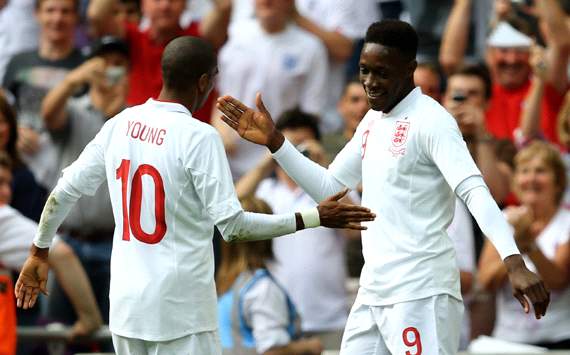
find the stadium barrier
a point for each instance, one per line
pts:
(56, 337)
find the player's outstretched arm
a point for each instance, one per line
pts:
(248, 226)
(526, 284)
(258, 127)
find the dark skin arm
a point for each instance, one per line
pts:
(526, 285)
(33, 278)
(258, 127)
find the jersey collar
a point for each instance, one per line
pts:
(406, 104)
(169, 106)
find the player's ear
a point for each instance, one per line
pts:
(203, 82)
(412, 65)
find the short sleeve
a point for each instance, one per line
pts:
(266, 312)
(442, 143)
(208, 167)
(87, 173)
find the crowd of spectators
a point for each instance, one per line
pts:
(500, 67)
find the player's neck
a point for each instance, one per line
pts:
(405, 92)
(187, 100)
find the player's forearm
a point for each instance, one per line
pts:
(247, 226)
(313, 178)
(58, 205)
(478, 200)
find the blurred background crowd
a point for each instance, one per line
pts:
(500, 67)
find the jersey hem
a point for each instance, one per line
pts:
(370, 298)
(162, 337)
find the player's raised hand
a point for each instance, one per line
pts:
(255, 126)
(32, 279)
(335, 214)
(527, 286)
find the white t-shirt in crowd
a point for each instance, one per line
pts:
(350, 18)
(16, 235)
(18, 30)
(310, 264)
(461, 233)
(169, 183)
(289, 68)
(410, 161)
(513, 324)
(265, 309)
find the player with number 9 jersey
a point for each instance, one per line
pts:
(170, 184)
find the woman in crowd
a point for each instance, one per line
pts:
(27, 196)
(256, 315)
(542, 232)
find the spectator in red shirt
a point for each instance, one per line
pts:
(509, 62)
(146, 46)
(508, 59)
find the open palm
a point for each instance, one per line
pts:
(255, 126)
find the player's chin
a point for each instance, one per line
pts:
(377, 103)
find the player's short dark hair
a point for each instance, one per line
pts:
(395, 34)
(296, 118)
(184, 61)
(480, 71)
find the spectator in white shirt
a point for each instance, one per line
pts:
(16, 234)
(274, 55)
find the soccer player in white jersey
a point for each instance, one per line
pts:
(169, 183)
(412, 161)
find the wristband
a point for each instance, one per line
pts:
(311, 218)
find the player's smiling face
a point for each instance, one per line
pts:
(385, 75)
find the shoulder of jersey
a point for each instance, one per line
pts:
(431, 110)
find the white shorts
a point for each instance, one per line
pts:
(205, 343)
(427, 326)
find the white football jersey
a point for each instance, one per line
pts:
(169, 182)
(409, 161)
